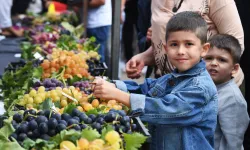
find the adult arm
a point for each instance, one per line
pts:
(225, 16)
(96, 3)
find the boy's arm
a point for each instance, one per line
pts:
(181, 108)
(133, 87)
(233, 120)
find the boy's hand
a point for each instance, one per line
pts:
(103, 89)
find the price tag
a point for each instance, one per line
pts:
(72, 98)
(38, 56)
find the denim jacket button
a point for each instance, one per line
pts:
(154, 93)
(171, 82)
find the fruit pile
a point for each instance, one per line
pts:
(48, 98)
(46, 124)
(72, 64)
(112, 141)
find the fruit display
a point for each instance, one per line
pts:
(48, 95)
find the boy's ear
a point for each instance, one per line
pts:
(235, 68)
(205, 49)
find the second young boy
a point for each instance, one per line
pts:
(222, 62)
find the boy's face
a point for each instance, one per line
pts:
(220, 65)
(184, 49)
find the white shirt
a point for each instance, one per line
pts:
(35, 6)
(5, 13)
(101, 16)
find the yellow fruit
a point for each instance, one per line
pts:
(67, 145)
(112, 137)
(26, 96)
(30, 100)
(29, 106)
(64, 103)
(32, 93)
(87, 106)
(38, 100)
(80, 108)
(83, 144)
(95, 103)
(98, 142)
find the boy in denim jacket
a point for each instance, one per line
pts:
(222, 62)
(180, 107)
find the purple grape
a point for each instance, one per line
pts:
(37, 84)
(54, 80)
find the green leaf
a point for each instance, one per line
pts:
(46, 105)
(68, 109)
(71, 135)
(68, 26)
(105, 130)
(6, 130)
(28, 143)
(37, 72)
(39, 144)
(92, 111)
(134, 141)
(10, 146)
(57, 104)
(90, 134)
(79, 30)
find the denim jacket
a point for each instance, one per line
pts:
(181, 108)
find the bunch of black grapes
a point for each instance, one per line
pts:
(95, 67)
(49, 84)
(46, 124)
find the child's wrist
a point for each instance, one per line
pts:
(123, 97)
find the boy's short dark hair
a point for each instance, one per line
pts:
(188, 21)
(228, 43)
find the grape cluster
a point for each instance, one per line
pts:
(46, 124)
(121, 122)
(95, 67)
(83, 86)
(49, 84)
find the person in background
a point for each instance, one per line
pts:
(99, 23)
(221, 16)
(222, 60)
(129, 28)
(5, 20)
(143, 28)
(181, 107)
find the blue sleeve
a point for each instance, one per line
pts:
(133, 87)
(182, 108)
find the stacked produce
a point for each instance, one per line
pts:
(48, 96)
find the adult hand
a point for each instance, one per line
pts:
(134, 66)
(19, 32)
(149, 34)
(103, 89)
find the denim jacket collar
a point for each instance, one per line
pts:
(198, 68)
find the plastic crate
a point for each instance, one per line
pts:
(99, 69)
(13, 66)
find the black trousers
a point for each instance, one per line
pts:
(129, 26)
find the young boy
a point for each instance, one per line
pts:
(222, 62)
(181, 107)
